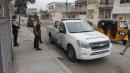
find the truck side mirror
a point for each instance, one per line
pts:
(62, 31)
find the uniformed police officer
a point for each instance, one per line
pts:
(127, 45)
(36, 28)
(40, 31)
(38, 20)
(15, 28)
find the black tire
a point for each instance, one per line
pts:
(71, 53)
(50, 38)
(124, 42)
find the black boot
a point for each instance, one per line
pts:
(38, 49)
(41, 42)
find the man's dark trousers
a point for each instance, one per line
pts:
(15, 34)
(40, 37)
(36, 41)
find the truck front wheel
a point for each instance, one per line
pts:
(71, 53)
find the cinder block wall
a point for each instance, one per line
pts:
(5, 40)
(5, 46)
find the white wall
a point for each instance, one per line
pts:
(56, 16)
(83, 17)
(95, 18)
(120, 8)
(31, 11)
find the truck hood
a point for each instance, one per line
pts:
(90, 36)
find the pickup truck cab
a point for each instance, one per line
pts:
(80, 40)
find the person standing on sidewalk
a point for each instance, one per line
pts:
(15, 28)
(38, 20)
(127, 45)
(36, 29)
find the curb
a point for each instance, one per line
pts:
(62, 66)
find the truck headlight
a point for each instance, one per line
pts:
(83, 44)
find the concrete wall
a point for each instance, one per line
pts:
(31, 11)
(1, 67)
(121, 8)
(5, 39)
(83, 17)
(56, 16)
(98, 14)
(95, 19)
(5, 42)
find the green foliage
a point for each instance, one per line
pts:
(21, 5)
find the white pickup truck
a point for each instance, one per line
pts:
(79, 39)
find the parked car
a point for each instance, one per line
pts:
(79, 39)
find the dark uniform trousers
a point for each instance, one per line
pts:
(37, 36)
(36, 41)
(40, 37)
(15, 34)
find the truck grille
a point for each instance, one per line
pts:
(101, 52)
(99, 45)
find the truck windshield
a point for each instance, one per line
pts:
(78, 27)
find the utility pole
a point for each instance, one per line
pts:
(20, 11)
(66, 8)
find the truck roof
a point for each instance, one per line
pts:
(69, 19)
(72, 21)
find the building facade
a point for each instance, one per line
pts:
(31, 11)
(81, 6)
(57, 11)
(122, 9)
(99, 9)
(12, 7)
(5, 38)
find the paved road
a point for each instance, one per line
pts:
(28, 60)
(111, 64)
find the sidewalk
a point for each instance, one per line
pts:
(28, 60)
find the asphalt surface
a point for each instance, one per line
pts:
(115, 63)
